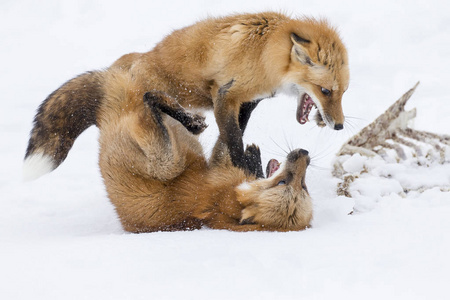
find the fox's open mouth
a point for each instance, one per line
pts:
(272, 166)
(304, 108)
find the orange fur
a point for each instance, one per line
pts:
(257, 51)
(261, 54)
(167, 184)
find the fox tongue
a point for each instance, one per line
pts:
(304, 108)
(272, 166)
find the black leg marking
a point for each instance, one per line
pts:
(245, 113)
(231, 136)
(152, 101)
(233, 140)
(230, 133)
(253, 159)
(192, 122)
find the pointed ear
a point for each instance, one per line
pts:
(299, 49)
(299, 40)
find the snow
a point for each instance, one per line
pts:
(60, 237)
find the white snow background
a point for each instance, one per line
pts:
(60, 237)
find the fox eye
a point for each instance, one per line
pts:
(282, 182)
(326, 92)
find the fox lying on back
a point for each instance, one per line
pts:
(157, 176)
(262, 54)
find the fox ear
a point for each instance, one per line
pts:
(299, 49)
(299, 40)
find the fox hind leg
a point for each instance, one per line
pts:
(148, 143)
(160, 138)
(192, 122)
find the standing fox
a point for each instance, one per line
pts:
(261, 54)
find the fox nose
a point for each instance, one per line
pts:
(338, 126)
(296, 154)
(303, 152)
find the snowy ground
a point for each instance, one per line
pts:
(60, 237)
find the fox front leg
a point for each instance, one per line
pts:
(245, 112)
(229, 143)
(253, 159)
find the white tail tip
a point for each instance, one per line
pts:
(37, 165)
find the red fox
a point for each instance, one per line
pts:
(263, 54)
(158, 178)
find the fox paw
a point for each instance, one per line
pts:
(252, 151)
(247, 221)
(196, 124)
(250, 215)
(252, 156)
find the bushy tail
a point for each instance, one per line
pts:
(60, 119)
